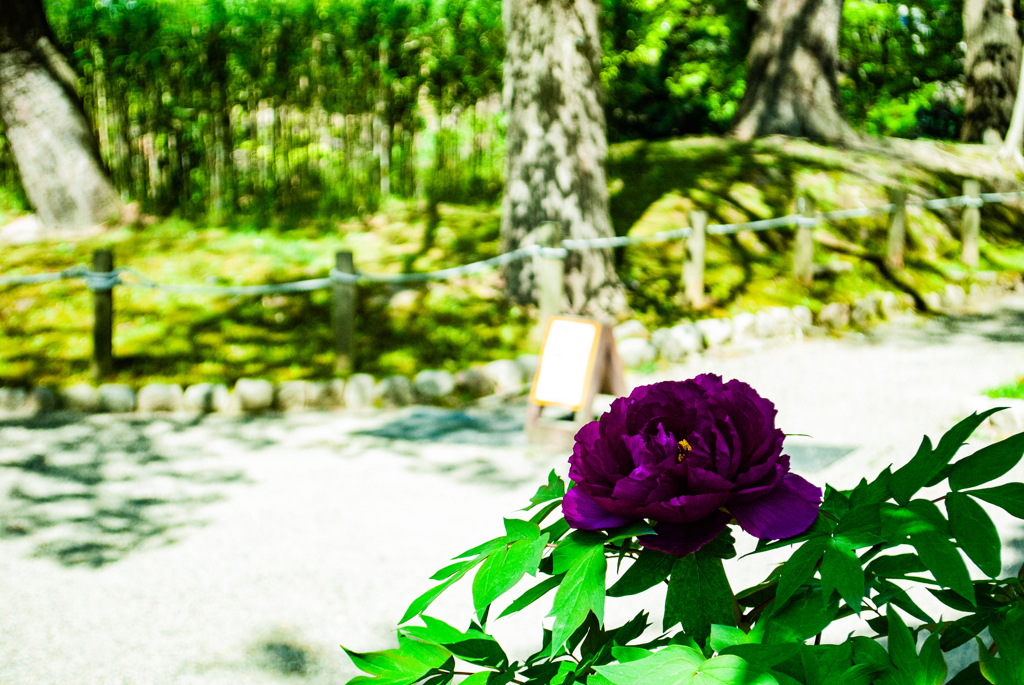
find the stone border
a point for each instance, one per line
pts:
(505, 377)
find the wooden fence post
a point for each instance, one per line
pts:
(103, 318)
(897, 228)
(803, 253)
(343, 313)
(550, 275)
(693, 265)
(970, 226)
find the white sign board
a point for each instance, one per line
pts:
(566, 362)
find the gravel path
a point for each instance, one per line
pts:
(234, 550)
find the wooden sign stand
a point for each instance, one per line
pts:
(604, 374)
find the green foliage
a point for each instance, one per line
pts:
(759, 636)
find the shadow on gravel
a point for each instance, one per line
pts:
(89, 491)
(1005, 325)
(474, 427)
(811, 458)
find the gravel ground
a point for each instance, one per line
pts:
(244, 550)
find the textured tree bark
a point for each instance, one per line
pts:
(556, 148)
(792, 69)
(50, 137)
(991, 69)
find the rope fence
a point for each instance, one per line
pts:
(102, 278)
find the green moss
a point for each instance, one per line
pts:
(45, 330)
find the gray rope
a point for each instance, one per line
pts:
(107, 280)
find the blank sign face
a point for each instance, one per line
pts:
(566, 360)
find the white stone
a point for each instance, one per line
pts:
(221, 398)
(783, 323)
(673, 344)
(933, 301)
(889, 304)
(802, 317)
(319, 395)
(474, 382)
(631, 329)
(80, 398)
(393, 391)
(359, 391)
(432, 384)
(528, 363)
(40, 400)
(23, 230)
(715, 331)
(291, 395)
(336, 390)
(636, 352)
(865, 310)
(954, 297)
(12, 399)
(253, 395)
(198, 398)
(506, 374)
(161, 397)
(116, 398)
(403, 303)
(834, 316)
(743, 326)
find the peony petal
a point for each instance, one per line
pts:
(688, 537)
(788, 510)
(684, 508)
(581, 511)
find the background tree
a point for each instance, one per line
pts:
(991, 69)
(792, 73)
(556, 146)
(49, 135)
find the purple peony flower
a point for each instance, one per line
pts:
(690, 456)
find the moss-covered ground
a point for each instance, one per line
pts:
(45, 330)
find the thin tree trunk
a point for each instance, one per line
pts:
(1015, 135)
(556, 147)
(991, 69)
(792, 70)
(50, 137)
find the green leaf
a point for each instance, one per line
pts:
(803, 617)
(726, 636)
(532, 595)
(964, 629)
(543, 512)
(578, 543)
(517, 529)
(902, 648)
(451, 569)
(766, 656)
(861, 526)
(407, 664)
(698, 595)
(927, 462)
(677, 665)
(1007, 631)
(626, 654)
(841, 570)
(420, 604)
(630, 530)
(506, 567)
(1009, 497)
(891, 593)
(582, 590)
(975, 532)
(934, 665)
(917, 516)
(943, 559)
(799, 568)
(485, 548)
(896, 565)
(649, 569)
(826, 664)
(555, 489)
(473, 646)
(987, 464)
(969, 676)
(873, 493)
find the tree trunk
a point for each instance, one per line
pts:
(556, 148)
(50, 137)
(1015, 135)
(792, 69)
(991, 69)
